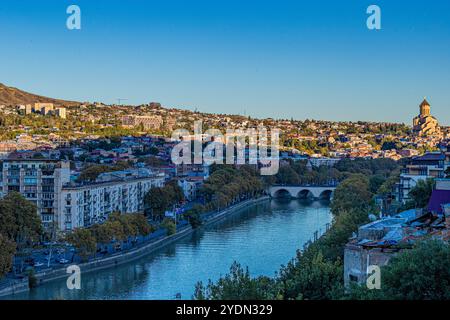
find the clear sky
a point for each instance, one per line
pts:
(302, 59)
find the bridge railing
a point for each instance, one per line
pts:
(330, 185)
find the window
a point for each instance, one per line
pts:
(353, 278)
(30, 181)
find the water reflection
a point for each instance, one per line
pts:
(262, 237)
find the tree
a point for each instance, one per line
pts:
(19, 220)
(237, 285)
(421, 193)
(313, 277)
(7, 251)
(84, 242)
(375, 182)
(352, 194)
(421, 273)
(92, 172)
(170, 226)
(142, 225)
(286, 175)
(193, 216)
(159, 200)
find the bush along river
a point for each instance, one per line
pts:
(262, 236)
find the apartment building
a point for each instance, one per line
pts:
(44, 108)
(65, 205)
(39, 181)
(61, 112)
(147, 122)
(119, 191)
(429, 166)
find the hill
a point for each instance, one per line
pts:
(14, 96)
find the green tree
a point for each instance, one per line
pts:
(375, 182)
(286, 175)
(170, 226)
(421, 193)
(7, 251)
(352, 194)
(84, 242)
(159, 200)
(312, 278)
(237, 285)
(19, 220)
(92, 172)
(193, 216)
(421, 273)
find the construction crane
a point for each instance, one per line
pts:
(119, 100)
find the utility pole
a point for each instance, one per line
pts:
(119, 101)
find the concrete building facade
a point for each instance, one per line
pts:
(64, 205)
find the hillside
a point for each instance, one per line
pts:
(14, 96)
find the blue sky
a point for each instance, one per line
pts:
(283, 59)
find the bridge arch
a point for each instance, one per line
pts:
(281, 193)
(305, 194)
(302, 192)
(326, 195)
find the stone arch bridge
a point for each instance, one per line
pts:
(302, 192)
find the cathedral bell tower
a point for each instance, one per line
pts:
(425, 109)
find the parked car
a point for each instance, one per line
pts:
(63, 261)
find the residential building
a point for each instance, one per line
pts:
(327, 162)
(147, 122)
(61, 112)
(39, 181)
(429, 166)
(439, 196)
(44, 108)
(190, 187)
(65, 205)
(121, 191)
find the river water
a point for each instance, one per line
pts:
(262, 237)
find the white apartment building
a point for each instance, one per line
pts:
(65, 205)
(120, 191)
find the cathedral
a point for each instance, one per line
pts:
(425, 124)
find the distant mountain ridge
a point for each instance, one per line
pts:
(14, 96)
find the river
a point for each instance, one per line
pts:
(262, 237)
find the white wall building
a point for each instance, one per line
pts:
(120, 191)
(66, 205)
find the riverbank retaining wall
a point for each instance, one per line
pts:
(19, 286)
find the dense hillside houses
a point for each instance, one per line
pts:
(69, 123)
